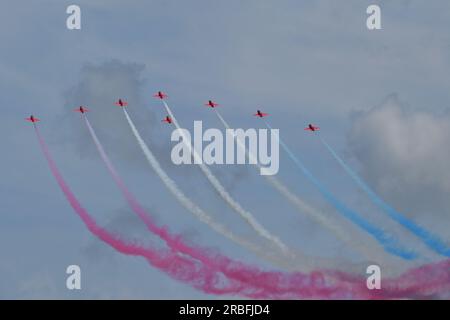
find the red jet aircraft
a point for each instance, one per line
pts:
(310, 127)
(260, 114)
(167, 119)
(121, 103)
(32, 119)
(161, 95)
(81, 109)
(211, 104)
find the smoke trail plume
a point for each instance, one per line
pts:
(247, 216)
(387, 241)
(431, 240)
(429, 280)
(228, 267)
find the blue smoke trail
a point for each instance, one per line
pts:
(387, 241)
(432, 241)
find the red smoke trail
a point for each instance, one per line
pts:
(420, 282)
(414, 282)
(425, 281)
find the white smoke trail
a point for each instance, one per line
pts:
(303, 207)
(247, 216)
(191, 206)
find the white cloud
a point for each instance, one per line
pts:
(404, 154)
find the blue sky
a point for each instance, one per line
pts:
(381, 98)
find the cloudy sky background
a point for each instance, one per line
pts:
(381, 98)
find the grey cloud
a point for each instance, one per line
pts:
(98, 88)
